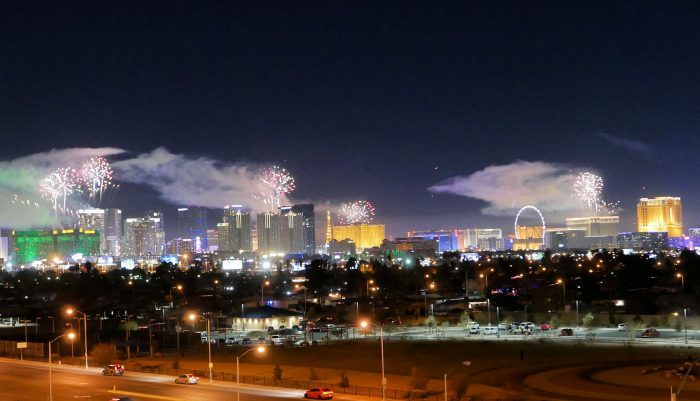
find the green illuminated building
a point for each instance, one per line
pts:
(35, 245)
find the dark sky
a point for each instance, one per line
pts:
(362, 100)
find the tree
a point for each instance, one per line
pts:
(588, 321)
(277, 372)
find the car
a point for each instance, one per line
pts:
(527, 326)
(231, 341)
(545, 327)
(246, 341)
(490, 330)
(622, 327)
(474, 329)
(650, 333)
(319, 393)
(114, 369)
(566, 332)
(187, 378)
(121, 399)
(502, 326)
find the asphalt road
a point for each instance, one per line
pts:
(29, 381)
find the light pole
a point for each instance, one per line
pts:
(486, 284)
(488, 307)
(53, 325)
(577, 327)
(238, 370)
(465, 363)
(21, 357)
(682, 277)
(71, 311)
(70, 336)
(150, 337)
(36, 327)
(563, 286)
(685, 323)
(366, 324)
(368, 283)
(192, 317)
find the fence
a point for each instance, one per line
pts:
(33, 351)
(299, 384)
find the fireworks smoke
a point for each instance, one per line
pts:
(360, 212)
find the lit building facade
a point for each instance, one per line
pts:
(291, 231)
(529, 237)
(447, 239)
(143, 237)
(595, 226)
(37, 245)
(113, 231)
(268, 233)
(483, 238)
(192, 223)
(660, 214)
(364, 235)
(94, 219)
(643, 241)
(240, 229)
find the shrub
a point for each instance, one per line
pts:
(344, 380)
(277, 372)
(418, 379)
(103, 354)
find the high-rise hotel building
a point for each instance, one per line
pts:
(660, 214)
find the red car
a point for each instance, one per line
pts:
(545, 326)
(319, 393)
(650, 333)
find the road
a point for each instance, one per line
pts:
(29, 381)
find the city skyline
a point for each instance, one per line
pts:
(490, 106)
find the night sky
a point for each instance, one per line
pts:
(369, 100)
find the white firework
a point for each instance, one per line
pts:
(588, 188)
(96, 177)
(59, 184)
(360, 212)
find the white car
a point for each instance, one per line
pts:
(187, 379)
(489, 330)
(527, 325)
(503, 326)
(622, 327)
(474, 330)
(232, 341)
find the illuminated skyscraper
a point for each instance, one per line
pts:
(113, 231)
(192, 224)
(291, 231)
(144, 237)
(660, 214)
(447, 239)
(329, 227)
(309, 219)
(595, 226)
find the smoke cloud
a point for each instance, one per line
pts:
(186, 181)
(506, 188)
(21, 204)
(180, 180)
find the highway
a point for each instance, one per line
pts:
(29, 381)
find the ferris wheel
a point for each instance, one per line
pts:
(522, 209)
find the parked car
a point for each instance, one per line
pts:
(502, 326)
(245, 341)
(622, 327)
(276, 339)
(650, 333)
(113, 370)
(527, 325)
(231, 341)
(187, 379)
(474, 329)
(566, 332)
(490, 330)
(319, 393)
(545, 327)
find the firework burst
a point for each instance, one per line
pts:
(96, 178)
(278, 183)
(59, 184)
(588, 189)
(360, 212)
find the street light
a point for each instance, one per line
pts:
(262, 291)
(465, 363)
(364, 325)
(260, 349)
(70, 312)
(563, 286)
(179, 288)
(192, 317)
(425, 297)
(70, 336)
(680, 276)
